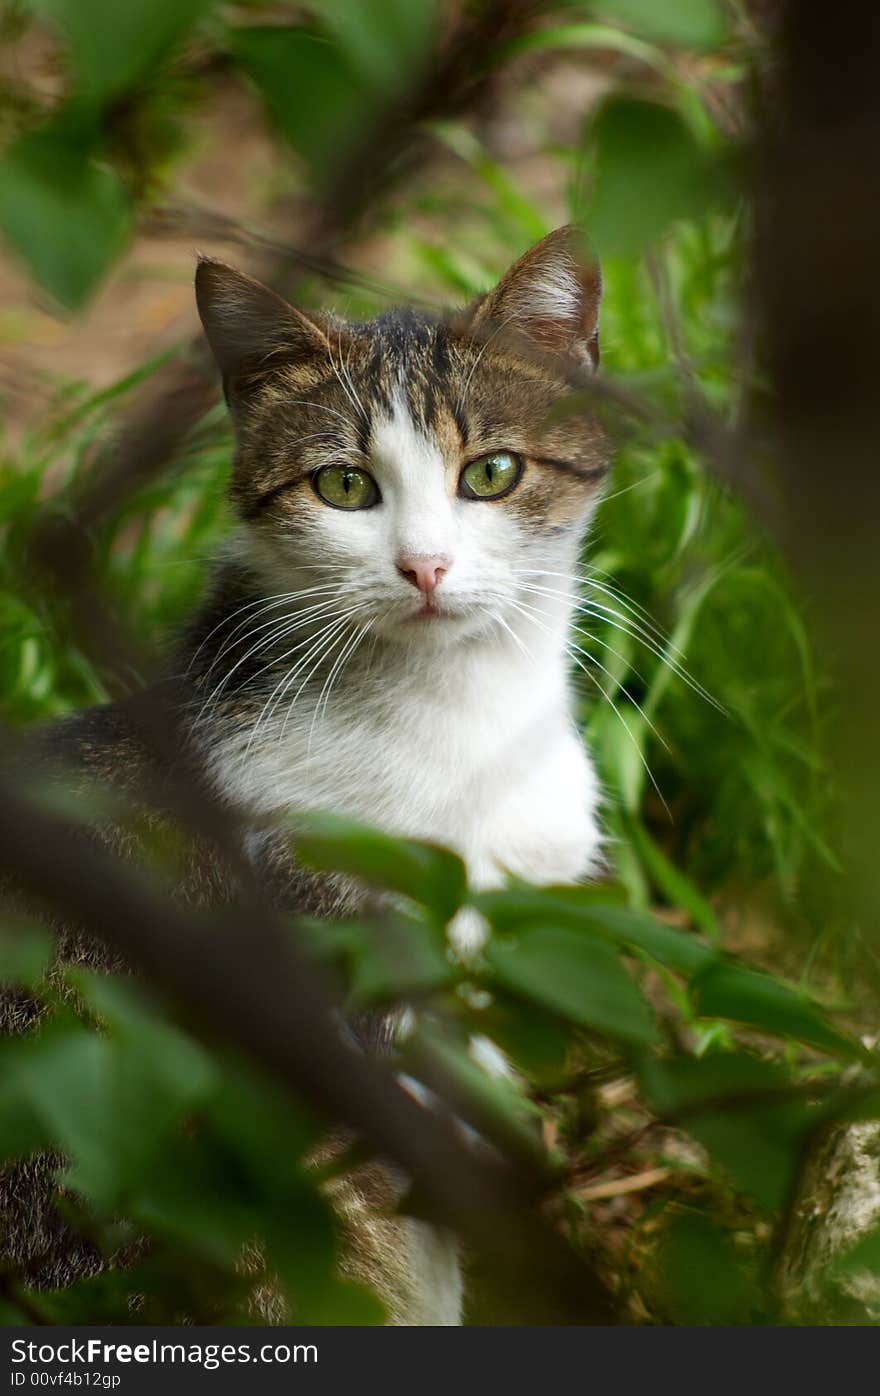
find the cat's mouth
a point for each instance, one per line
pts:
(433, 624)
(428, 613)
(431, 615)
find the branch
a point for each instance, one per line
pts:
(268, 1001)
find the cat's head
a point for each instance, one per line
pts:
(426, 468)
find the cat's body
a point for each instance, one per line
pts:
(386, 634)
(510, 787)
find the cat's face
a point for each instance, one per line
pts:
(413, 472)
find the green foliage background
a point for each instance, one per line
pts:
(690, 1017)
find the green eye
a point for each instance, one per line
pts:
(344, 487)
(491, 476)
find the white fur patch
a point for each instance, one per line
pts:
(554, 294)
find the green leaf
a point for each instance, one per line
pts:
(63, 212)
(581, 909)
(735, 1106)
(257, 1120)
(727, 990)
(696, 24)
(302, 1250)
(677, 950)
(494, 1105)
(389, 958)
(670, 880)
(197, 1198)
(25, 953)
(537, 1042)
(386, 41)
(114, 43)
(585, 36)
(67, 1078)
(431, 876)
(394, 958)
(317, 99)
(650, 173)
(23, 1129)
(701, 1277)
(110, 1101)
(577, 976)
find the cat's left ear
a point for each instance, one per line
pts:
(249, 328)
(551, 295)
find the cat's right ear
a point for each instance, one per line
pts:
(551, 295)
(249, 328)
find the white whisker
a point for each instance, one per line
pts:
(316, 645)
(229, 642)
(323, 653)
(285, 626)
(346, 652)
(635, 629)
(529, 613)
(647, 480)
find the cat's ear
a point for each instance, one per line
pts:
(551, 295)
(248, 327)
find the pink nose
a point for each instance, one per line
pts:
(426, 573)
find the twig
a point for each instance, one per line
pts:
(619, 1187)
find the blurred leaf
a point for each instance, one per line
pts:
(688, 23)
(650, 172)
(269, 1136)
(389, 958)
(576, 976)
(67, 1076)
(179, 1066)
(736, 1106)
(491, 1103)
(318, 100)
(678, 1087)
(396, 959)
(431, 876)
(677, 950)
(727, 990)
(198, 1198)
(109, 1101)
(582, 908)
(61, 211)
(536, 1041)
(258, 1121)
(587, 36)
(25, 952)
(11, 1314)
(671, 881)
(387, 41)
(515, 207)
(114, 43)
(302, 1251)
(168, 1283)
(23, 1130)
(700, 1277)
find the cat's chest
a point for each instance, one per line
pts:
(497, 774)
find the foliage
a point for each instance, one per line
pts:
(702, 700)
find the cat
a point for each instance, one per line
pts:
(385, 633)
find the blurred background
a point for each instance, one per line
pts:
(357, 153)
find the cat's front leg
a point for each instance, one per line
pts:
(544, 832)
